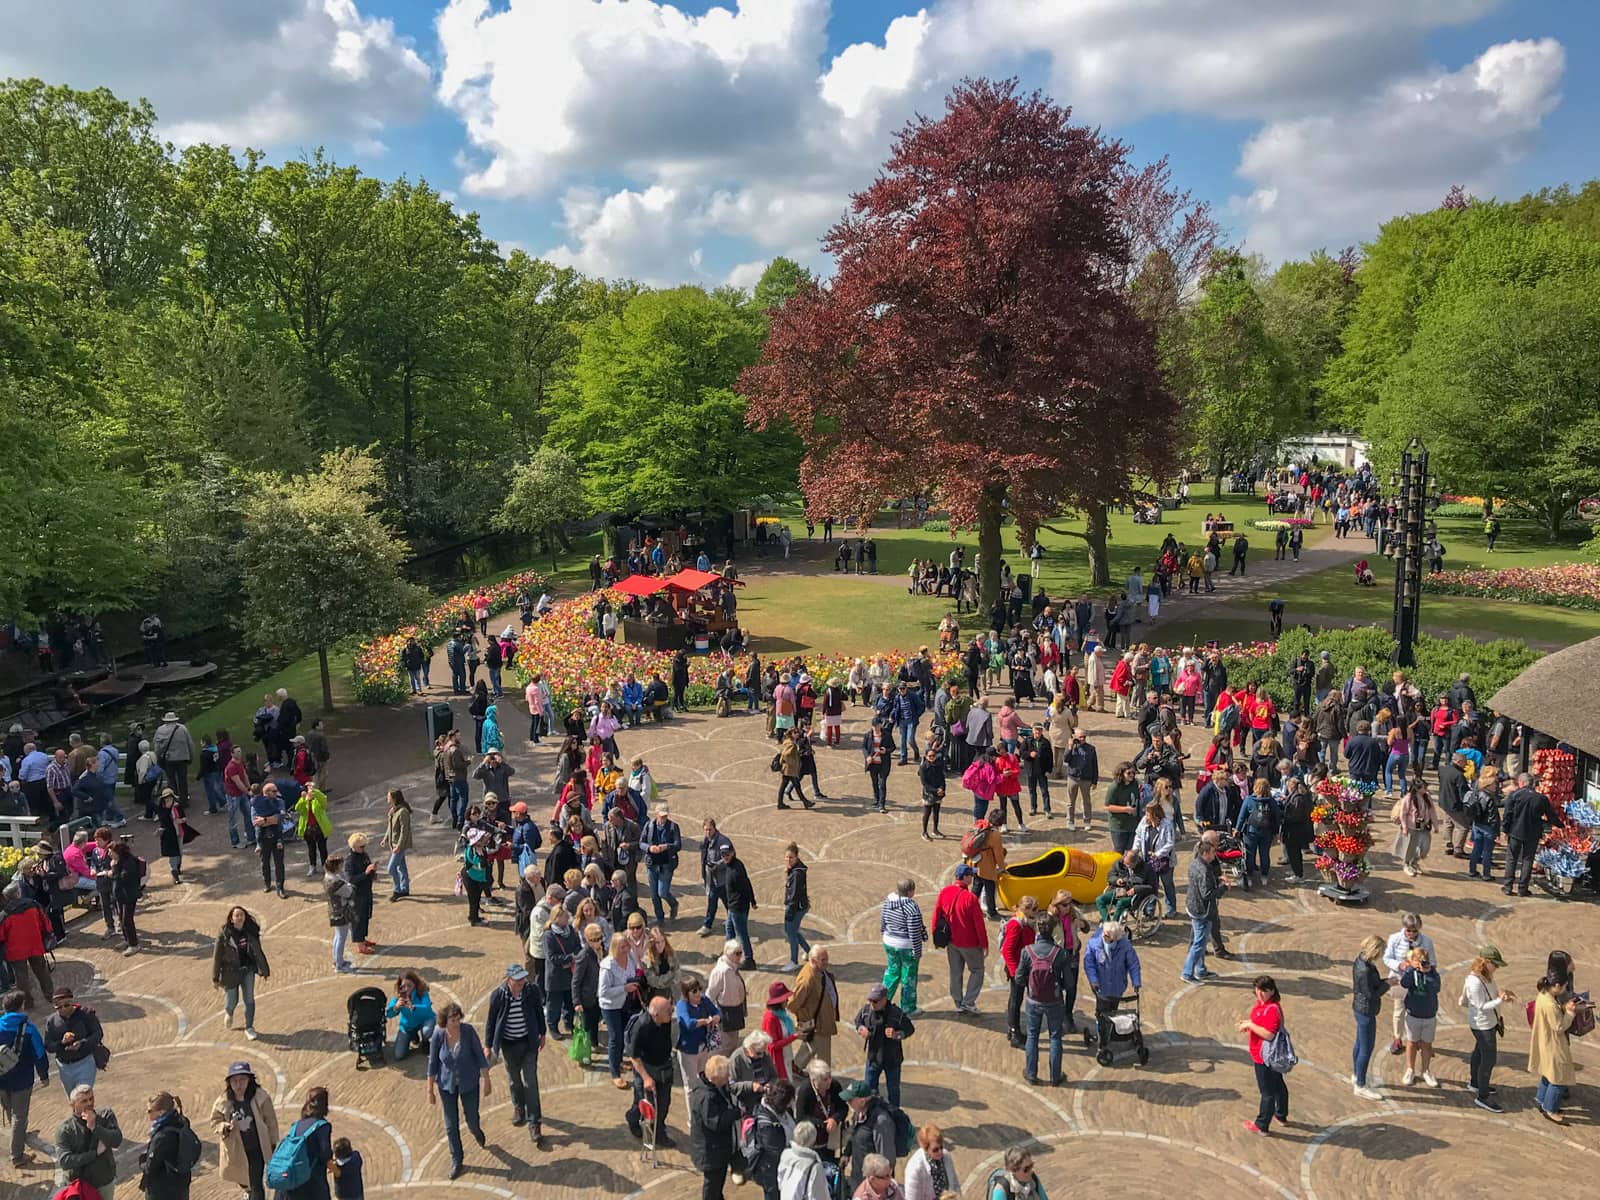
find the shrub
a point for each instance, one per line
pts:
(1440, 661)
(936, 525)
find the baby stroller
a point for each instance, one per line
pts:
(365, 1009)
(1230, 853)
(1113, 1023)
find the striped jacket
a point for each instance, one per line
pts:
(901, 924)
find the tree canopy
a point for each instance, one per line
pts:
(975, 340)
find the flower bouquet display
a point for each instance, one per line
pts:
(1564, 853)
(1343, 818)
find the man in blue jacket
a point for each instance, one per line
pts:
(16, 1085)
(633, 700)
(905, 712)
(516, 1033)
(268, 816)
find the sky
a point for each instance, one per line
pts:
(691, 143)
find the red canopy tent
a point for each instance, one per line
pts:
(690, 580)
(640, 585)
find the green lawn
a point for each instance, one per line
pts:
(1521, 544)
(303, 680)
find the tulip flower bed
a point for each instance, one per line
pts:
(1276, 523)
(1343, 836)
(1568, 585)
(376, 664)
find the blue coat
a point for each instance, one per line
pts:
(32, 1059)
(561, 950)
(490, 738)
(500, 1003)
(462, 1074)
(1112, 967)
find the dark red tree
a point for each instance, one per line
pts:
(977, 341)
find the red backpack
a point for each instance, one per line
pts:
(78, 1190)
(972, 842)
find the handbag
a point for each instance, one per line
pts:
(1582, 1021)
(101, 1055)
(579, 1048)
(1278, 1053)
(801, 1055)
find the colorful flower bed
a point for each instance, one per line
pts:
(1276, 523)
(1569, 585)
(376, 664)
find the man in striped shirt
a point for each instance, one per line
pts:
(903, 931)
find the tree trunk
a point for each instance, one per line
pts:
(561, 536)
(1555, 512)
(1216, 483)
(327, 680)
(990, 514)
(408, 419)
(1096, 529)
(550, 545)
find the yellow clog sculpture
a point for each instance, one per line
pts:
(1082, 874)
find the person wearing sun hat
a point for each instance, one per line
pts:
(779, 1025)
(245, 1123)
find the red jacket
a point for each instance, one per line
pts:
(24, 929)
(961, 909)
(1014, 939)
(1443, 719)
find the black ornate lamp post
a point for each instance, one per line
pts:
(1407, 543)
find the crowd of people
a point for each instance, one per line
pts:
(594, 896)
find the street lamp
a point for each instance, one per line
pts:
(1406, 543)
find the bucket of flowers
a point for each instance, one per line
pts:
(1343, 819)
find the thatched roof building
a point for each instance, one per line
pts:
(1556, 697)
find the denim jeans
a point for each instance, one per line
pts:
(738, 926)
(1482, 850)
(660, 881)
(416, 679)
(239, 816)
(711, 905)
(616, 1024)
(876, 1071)
(1035, 786)
(796, 939)
(1484, 1054)
(247, 989)
(908, 740)
(399, 873)
(401, 1046)
(1194, 962)
(458, 802)
(1549, 1095)
(452, 1119)
(1169, 890)
(1366, 1039)
(216, 799)
(494, 682)
(1330, 752)
(880, 788)
(1038, 1014)
(1395, 761)
(1257, 856)
(341, 940)
(558, 1009)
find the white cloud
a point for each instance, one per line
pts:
(1331, 179)
(746, 274)
(266, 72)
(668, 135)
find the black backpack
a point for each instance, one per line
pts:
(1261, 816)
(1297, 806)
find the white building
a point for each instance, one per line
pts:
(1346, 449)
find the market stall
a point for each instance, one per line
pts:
(1561, 747)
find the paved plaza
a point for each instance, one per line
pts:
(1171, 1126)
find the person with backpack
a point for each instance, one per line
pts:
(74, 1036)
(169, 1160)
(245, 1122)
(1263, 1025)
(174, 749)
(1297, 830)
(26, 937)
(764, 1136)
(86, 1143)
(1259, 819)
(1046, 971)
(298, 1167)
(984, 849)
(1016, 1180)
(22, 1047)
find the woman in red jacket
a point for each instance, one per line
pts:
(1020, 932)
(1008, 787)
(778, 1025)
(1262, 713)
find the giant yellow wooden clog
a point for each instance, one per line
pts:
(1082, 874)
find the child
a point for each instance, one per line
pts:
(346, 1169)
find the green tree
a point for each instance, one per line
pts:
(1307, 305)
(318, 564)
(1237, 401)
(650, 412)
(546, 493)
(782, 279)
(1503, 384)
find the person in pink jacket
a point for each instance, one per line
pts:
(981, 779)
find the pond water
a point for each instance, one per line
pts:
(451, 567)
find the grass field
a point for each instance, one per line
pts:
(1521, 544)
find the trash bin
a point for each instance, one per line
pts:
(440, 720)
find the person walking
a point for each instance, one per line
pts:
(699, 1028)
(958, 912)
(904, 932)
(515, 1034)
(458, 1075)
(789, 770)
(814, 1004)
(796, 903)
(245, 1123)
(1204, 889)
(74, 1037)
(713, 1126)
(174, 750)
(1368, 986)
(1263, 1024)
(86, 1144)
(312, 1131)
(237, 961)
(883, 1028)
(648, 1051)
(1415, 816)
(173, 1152)
(16, 1085)
(1549, 1046)
(339, 892)
(877, 751)
(1483, 1000)
(397, 840)
(661, 840)
(738, 896)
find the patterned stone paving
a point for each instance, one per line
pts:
(1121, 1130)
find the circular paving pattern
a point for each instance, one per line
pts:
(1124, 1129)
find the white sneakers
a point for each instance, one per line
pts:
(1427, 1078)
(1409, 1077)
(785, 968)
(1367, 1093)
